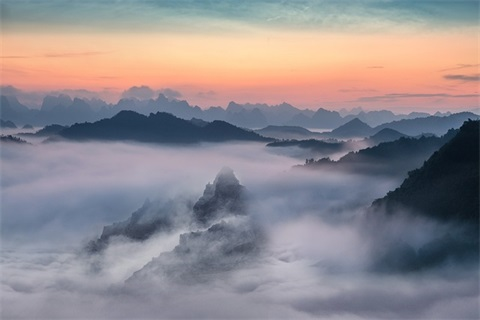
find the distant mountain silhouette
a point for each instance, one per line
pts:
(12, 110)
(199, 122)
(27, 127)
(239, 116)
(395, 157)
(7, 124)
(385, 135)
(300, 120)
(312, 144)
(436, 125)
(445, 189)
(64, 110)
(286, 132)
(327, 119)
(373, 118)
(431, 124)
(353, 129)
(159, 127)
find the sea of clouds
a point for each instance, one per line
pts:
(315, 263)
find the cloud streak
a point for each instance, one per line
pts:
(401, 96)
(461, 66)
(58, 55)
(463, 77)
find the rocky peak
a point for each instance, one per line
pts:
(226, 196)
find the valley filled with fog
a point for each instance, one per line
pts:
(315, 245)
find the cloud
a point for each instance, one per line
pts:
(357, 90)
(461, 66)
(206, 94)
(34, 99)
(73, 54)
(314, 264)
(58, 55)
(400, 96)
(141, 92)
(145, 93)
(375, 67)
(170, 94)
(463, 77)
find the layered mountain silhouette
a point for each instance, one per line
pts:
(426, 125)
(311, 147)
(287, 132)
(64, 110)
(446, 190)
(385, 135)
(353, 129)
(159, 127)
(395, 157)
(432, 124)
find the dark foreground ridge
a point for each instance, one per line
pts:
(446, 190)
(158, 127)
(446, 187)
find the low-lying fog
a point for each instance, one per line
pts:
(56, 197)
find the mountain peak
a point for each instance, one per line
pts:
(356, 122)
(226, 196)
(353, 128)
(226, 177)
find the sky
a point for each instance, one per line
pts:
(377, 54)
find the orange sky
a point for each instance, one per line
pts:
(308, 68)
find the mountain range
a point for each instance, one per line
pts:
(357, 129)
(64, 110)
(160, 127)
(395, 157)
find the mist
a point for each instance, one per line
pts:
(315, 262)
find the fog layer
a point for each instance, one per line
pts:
(316, 261)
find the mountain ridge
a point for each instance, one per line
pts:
(160, 127)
